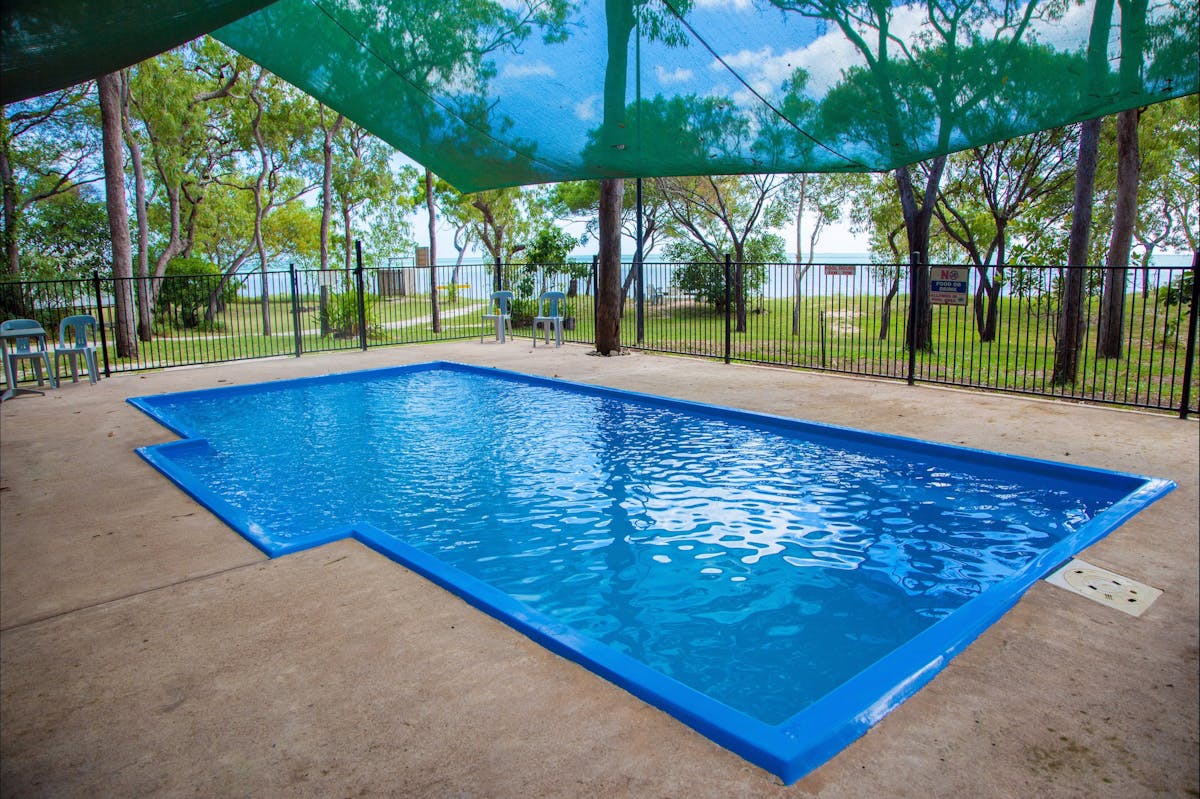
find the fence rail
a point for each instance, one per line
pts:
(999, 333)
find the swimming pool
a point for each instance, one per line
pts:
(778, 585)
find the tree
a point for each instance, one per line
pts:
(819, 198)
(49, 146)
(608, 269)
(1069, 338)
(726, 211)
(65, 236)
(935, 81)
(985, 190)
(180, 101)
(1169, 215)
(705, 278)
(118, 215)
(1112, 310)
(1116, 272)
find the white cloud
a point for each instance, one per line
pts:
(586, 110)
(537, 69)
(678, 75)
(736, 5)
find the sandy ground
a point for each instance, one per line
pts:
(147, 650)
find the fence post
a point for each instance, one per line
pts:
(637, 261)
(728, 297)
(295, 283)
(100, 320)
(362, 297)
(910, 334)
(595, 291)
(1190, 358)
(498, 278)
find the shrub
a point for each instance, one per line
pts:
(187, 289)
(343, 314)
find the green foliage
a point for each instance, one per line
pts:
(343, 314)
(1178, 292)
(703, 277)
(65, 236)
(187, 288)
(551, 245)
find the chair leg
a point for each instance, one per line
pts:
(93, 369)
(50, 371)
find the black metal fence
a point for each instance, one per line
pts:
(996, 330)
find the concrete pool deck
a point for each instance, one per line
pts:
(147, 650)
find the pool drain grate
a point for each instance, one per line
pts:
(1100, 585)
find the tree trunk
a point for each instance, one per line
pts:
(327, 187)
(1070, 316)
(1112, 308)
(348, 247)
(145, 300)
(885, 318)
(12, 255)
(434, 314)
(608, 282)
(625, 286)
(118, 214)
(987, 303)
(916, 225)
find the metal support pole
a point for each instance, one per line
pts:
(100, 321)
(728, 303)
(595, 291)
(498, 278)
(913, 289)
(362, 298)
(1189, 359)
(637, 264)
(296, 310)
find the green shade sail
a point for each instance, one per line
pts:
(491, 93)
(51, 44)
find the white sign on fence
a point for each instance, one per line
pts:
(840, 270)
(948, 285)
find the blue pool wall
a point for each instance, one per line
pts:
(790, 749)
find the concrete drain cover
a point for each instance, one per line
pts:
(1105, 587)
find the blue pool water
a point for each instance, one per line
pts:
(744, 572)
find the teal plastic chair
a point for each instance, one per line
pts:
(552, 302)
(498, 314)
(77, 337)
(31, 347)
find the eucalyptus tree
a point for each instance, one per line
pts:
(580, 200)
(503, 220)
(270, 124)
(49, 146)
(925, 89)
(723, 213)
(985, 189)
(821, 200)
(1169, 212)
(180, 120)
(364, 178)
(109, 87)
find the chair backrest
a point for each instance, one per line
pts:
(555, 299)
(501, 300)
(78, 326)
(22, 343)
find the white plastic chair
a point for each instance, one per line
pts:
(552, 318)
(24, 338)
(76, 337)
(499, 314)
